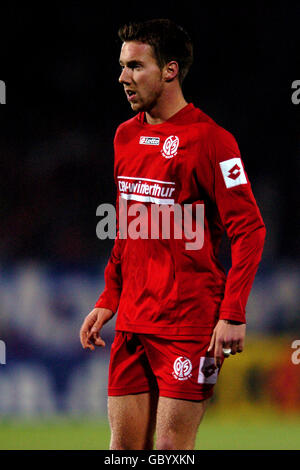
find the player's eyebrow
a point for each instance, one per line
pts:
(131, 63)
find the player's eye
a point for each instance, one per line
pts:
(131, 67)
(134, 66)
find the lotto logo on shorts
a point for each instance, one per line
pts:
(182, 368)
(208, 372)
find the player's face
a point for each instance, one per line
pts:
(140, 76)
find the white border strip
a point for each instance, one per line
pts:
(145, 179)
(136, 197)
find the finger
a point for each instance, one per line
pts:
(90, 346)
(94, 335)
(91, 332)
(86, 326)
(212, 341)
(218, 353)
(87, 344)
(83, 336)
(240, 346)
(97, 340)
(97, 325)
(234, 347)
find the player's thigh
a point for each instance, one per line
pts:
(132, 420)
(177, 422)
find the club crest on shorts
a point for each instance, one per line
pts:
(170, 146)
(182, 368)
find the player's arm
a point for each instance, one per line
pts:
(110, 297)
(107, 303)
(246, 231)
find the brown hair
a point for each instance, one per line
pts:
(168, 40)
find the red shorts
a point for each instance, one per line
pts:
(176, 367)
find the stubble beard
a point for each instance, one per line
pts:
(149, 105)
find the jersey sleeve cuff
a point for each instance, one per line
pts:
(109, 303)
(232, 315)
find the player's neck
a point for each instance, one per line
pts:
(170, 103)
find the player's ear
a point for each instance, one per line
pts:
(170, 71)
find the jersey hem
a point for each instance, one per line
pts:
(166, 330)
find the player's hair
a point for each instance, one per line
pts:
(168, 40)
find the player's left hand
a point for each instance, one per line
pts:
(227, 335)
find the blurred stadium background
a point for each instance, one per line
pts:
(60, 66)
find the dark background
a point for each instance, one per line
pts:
(64, 102)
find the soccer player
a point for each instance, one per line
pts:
(177, 309)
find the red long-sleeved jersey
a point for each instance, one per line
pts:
(159, 286)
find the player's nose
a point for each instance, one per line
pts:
(124, 77)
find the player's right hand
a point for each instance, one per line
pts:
(89, 332)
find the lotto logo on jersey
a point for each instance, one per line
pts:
(208, 372)
(233, 172)
(149, 140)
(182, 368)
(170, 147)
